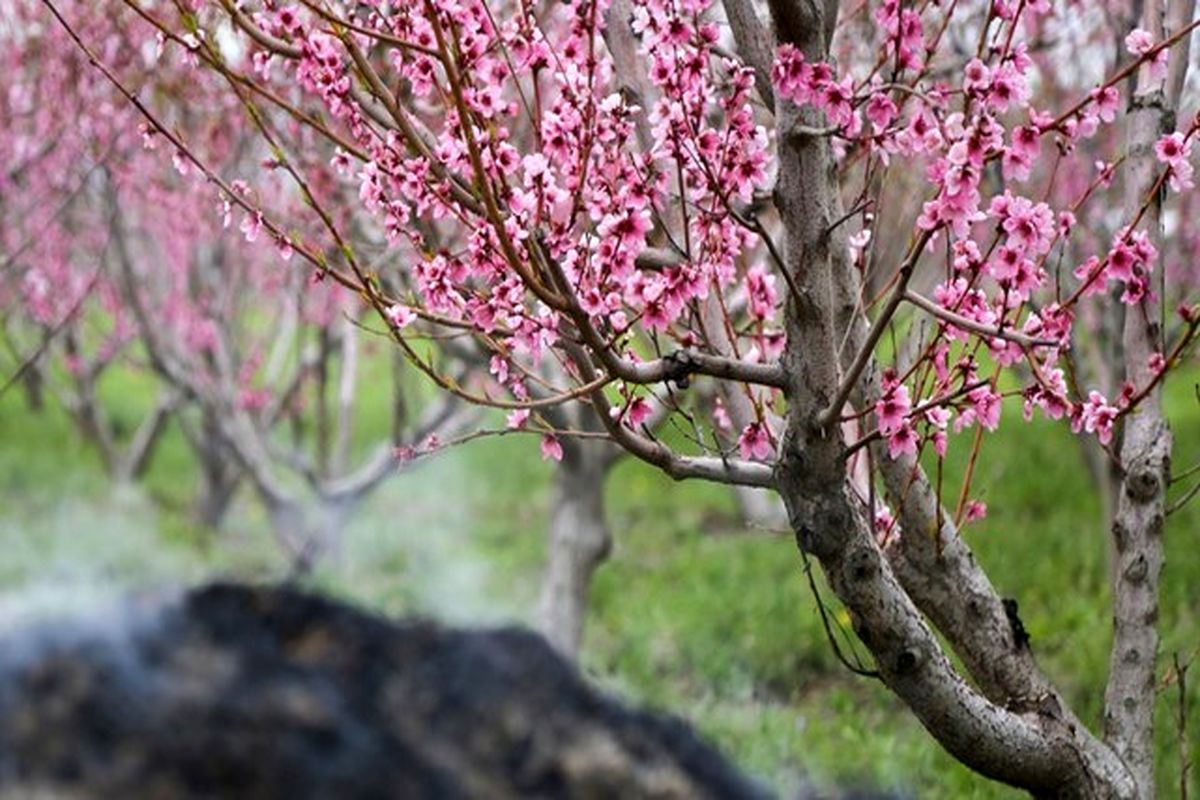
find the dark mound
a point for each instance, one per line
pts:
(234, 691)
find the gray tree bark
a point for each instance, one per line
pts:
(1013, 728)
(579, 542)
(1145, 451)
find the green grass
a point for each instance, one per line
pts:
(692, 614)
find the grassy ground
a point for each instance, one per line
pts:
(693, 613)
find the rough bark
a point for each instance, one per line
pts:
(215, 496)
(1145, 451)
(579, 542)
(1137, 533)
(1024, 743)
(938, 571)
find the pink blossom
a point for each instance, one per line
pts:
(721, 416)
(986, 404)
(881, 111)
(902, 441)
(1181, 177)
(975, 511)
(1050, 395)
(976, 76)
(283, 245)
(498, 366)
(1173, 149)
(551, 448)
(884, 521)
(1107, 101)
(755, 442)
(638, 413)
(1139, 42)
(517, 418)
(761, 288)
(1096, 416)
(251, 226)
(892, 409)
(400, 316)
(939, 418)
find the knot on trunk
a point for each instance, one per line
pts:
(907, 661)
(1155, 100)
(861, 566)
(1120, 535)
(1137, 569)
(822, 524)
(1143, 483)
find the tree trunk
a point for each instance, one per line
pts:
(1145, 448)
(220, 472)
(579, 542)
(308, 531)
(31, 382)
(218, 486)
(1024, 741)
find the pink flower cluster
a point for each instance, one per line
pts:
(892, 415)
(902, 27)
(1129, 262)
(1174, 150)
(1139, 43)
(817, 85)
(756, 442)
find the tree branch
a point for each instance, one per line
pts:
(753, 44)
(1129, 697)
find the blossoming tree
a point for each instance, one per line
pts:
(109, 261)
(648, 195)
(112, 264)
(60, 303)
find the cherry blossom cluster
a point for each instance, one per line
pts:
(1001, 240)
(576, 211)
(555, 201)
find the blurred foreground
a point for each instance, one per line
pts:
(263, 692)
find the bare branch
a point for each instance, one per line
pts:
(959, 321)
(149, 433)
(754, 45)
(866, 351)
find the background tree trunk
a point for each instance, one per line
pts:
(31, 382)
(308, 532)
(219, 471)
(579, 542)
(219, 479)
(1145, 445)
